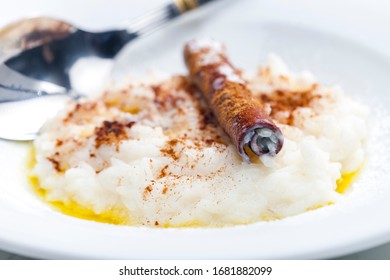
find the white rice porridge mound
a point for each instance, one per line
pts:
(153, 152)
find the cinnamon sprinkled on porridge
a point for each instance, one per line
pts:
(155, 152)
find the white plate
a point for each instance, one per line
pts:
(28, 226)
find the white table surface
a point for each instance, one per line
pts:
(365, 21)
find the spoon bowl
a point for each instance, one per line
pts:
(46, 49)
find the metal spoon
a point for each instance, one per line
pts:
(36, 56)
(46, 48)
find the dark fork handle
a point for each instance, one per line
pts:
(183, 6)
(156, 18)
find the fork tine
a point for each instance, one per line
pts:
(14, 86)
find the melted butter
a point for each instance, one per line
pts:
(71, 208)
(252, 156)
(319, 206)
(346, 181)
(192, 224)
(343, 185)
(116, 216)
(127, 109)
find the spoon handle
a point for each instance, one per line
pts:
(155, 19)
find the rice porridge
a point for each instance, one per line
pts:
(151, 153)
